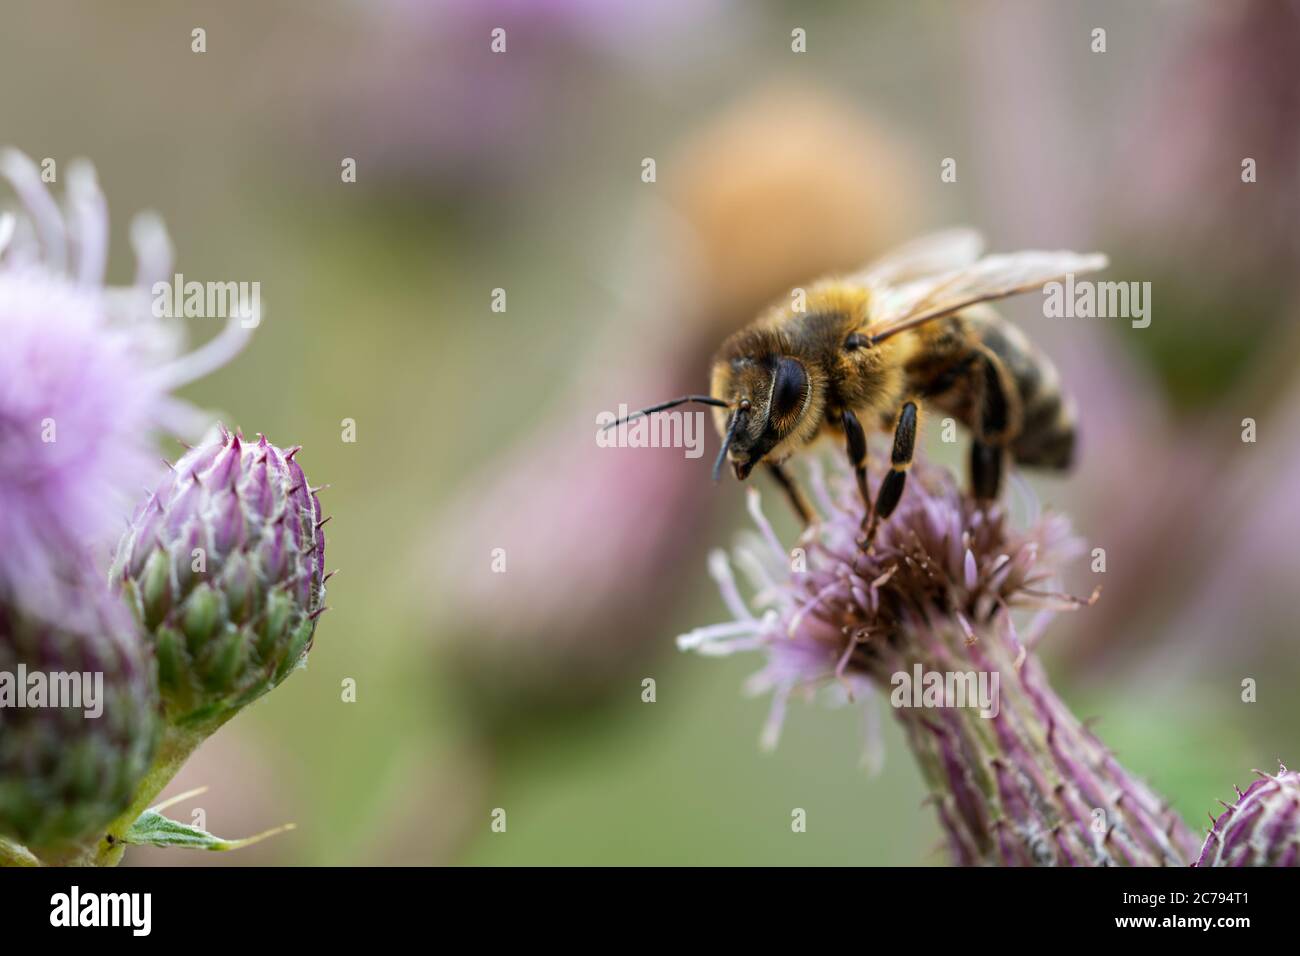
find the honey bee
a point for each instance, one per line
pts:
(908, 333)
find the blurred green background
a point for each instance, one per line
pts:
(522, 171)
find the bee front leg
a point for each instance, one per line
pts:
(900, 459)
(855, 441)
(798, 501)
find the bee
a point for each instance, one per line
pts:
(909, 333)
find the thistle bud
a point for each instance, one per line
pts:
(78, 716)
(1261, 829)
(223, 566)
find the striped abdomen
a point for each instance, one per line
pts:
(1046, 435)
(945, 368)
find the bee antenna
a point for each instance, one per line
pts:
(702, 399)
(726, 443)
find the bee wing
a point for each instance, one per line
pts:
(897, 308)
(939, 252)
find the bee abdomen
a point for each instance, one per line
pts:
(1047, 434)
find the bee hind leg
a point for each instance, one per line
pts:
(900, 459)
(793, 493)
(999, 417)
(985, 471)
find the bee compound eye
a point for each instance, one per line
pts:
(789, 388)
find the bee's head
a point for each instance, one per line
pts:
(768, 399)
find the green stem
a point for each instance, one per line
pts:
(175, 748)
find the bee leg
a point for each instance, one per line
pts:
(855, 440)
(985, 471)
(900, 459)
(999, 415)
(793, 493)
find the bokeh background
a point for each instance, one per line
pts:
(475, 429)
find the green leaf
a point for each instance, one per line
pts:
(13, 853)
(151, 828)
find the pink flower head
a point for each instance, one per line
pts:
(85, 374)
(1016, 779)
(825, 604)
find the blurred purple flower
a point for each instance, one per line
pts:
(1246, 593)
(582, 581)
(440, 108)
(1171, 207)
(85, 374)
(66, 771)
(610, 23)
(1228, 92)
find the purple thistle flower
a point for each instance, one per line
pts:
(1021, 782)
(1261, 829)
(85, 374)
